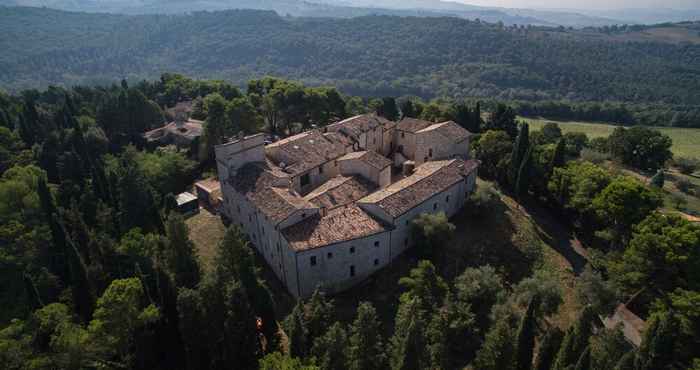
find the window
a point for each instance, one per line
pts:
(352, 249)
(402, 135)
(447, 199)
(400, 149)
(376, 262)
(238, 208)
(430, 152)
(250, 218)
(434, 206)
(313, 260)
(330, 255)
(407, 221)
(263, 231)
(425, 159)
(320, 169)
(405, 242)
(335, 163)
(303, 215)
(376, 244)
(374, 140)
(305, 180)
(352, 271)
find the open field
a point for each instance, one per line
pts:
(686, 141)
(206, 230)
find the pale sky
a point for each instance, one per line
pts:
(588, 4)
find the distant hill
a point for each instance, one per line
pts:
(378, 55)
(328, 8)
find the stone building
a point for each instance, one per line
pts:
(328, 207)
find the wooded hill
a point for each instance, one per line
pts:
(375, 55)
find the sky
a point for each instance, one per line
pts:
(588, 4)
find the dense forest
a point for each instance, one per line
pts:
(368, 56)
(99, 272)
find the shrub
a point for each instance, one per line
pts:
(593, 156)
(684, 185)
(686, 165)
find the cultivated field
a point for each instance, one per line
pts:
(686, 141)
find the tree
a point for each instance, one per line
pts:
(624, 203)
(408, 345)
(278, 361)
(366, 350)
(431, 232)
(503, 118)
(640, 147)
(522, 181)
(387, 109)
(559, 156)
(295, 327)
(330, 349)
(551, 133)
(525, 344)
(607, 348)
(409, 109)
(481, 288)
(493, 149)
(498, 350)
(518, 156)
(551, 342)
(593, 290)
(584, 361)
(216, 127)
(318, 316)
(180, 254)
(657, 180)
(576, 340)
(120, 311)
(243, 116)
(423, 282)
(657, 348)
(627, 361)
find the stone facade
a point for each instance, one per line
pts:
(321, 208)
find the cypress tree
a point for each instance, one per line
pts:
(330, 349)
(522, 143)
(498, 349)
(658, 179)
(476, 120)
(180, 256)
(584, 361)
(559, 156)
(522, 181)
(525, 344)
(366, 350)
(658, 344)
(295, 328)
(408, 345)
(576, 340)
(627, 361)
(549, 348)
(319, 313)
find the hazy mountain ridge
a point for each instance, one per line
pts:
(328, 8)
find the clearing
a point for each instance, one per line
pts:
(686, 141)
(206, 231)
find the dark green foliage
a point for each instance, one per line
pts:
(494, 149)
(626, 362)
(408, 345)
(498, 350)
(423, 282)
(318, 316)
(640, 147)
(180, 253)
(657, 180)
(559, 156)
(387, 109)
(366, 350)
(525, 338)
(549, 347)
(658, 344)
(295, 327)
(409, 109)
(519, 154)
(330, 349)
(522, 181)
(584, 362)
(576, 340)
(481, 288)
(503, 118)
(431, 232)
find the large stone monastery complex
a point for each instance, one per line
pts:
(330, 206)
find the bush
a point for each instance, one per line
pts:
(685, 186)
(686, 165)
(593, 156)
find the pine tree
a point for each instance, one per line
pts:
(627, 361)
(437, 338)
(477, 122)
(549, 348)
(387, 109)
(525, 344)
(366, 350)
(295, 327)
(330, 349)
(319, 315)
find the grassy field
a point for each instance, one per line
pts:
(686, 141)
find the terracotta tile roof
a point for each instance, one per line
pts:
(338, 225)
(449, 129)
(370, 157)
(355, 126)
(428, 179)
(256, 182)
(340, 191)
(632, 325)
(413, 124)
(300, 153)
